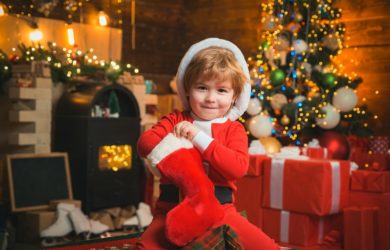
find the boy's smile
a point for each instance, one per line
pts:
(211, 99)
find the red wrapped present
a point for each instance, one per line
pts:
(316, 152)
(256, 163)
(361, 228)
(249, 189)
(370, 181)
(358, 142)
(369, 160)
(378, 144)
(298, 229)
(382, 201)
(248, 198)
(318, 187)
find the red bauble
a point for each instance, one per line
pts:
(336, 143)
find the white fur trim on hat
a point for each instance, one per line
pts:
(242, 101)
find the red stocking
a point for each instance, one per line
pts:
(200, 209)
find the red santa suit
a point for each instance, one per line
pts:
(223, 147)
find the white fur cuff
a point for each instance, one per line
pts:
(168, 145)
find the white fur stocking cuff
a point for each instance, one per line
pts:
(167, 145)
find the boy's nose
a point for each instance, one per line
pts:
(210, 97)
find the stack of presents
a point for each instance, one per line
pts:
(317, 202)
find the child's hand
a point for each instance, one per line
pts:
(185, 129)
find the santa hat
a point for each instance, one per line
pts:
(242, 101)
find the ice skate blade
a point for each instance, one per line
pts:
(48, 242)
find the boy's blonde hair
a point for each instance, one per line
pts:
(215, 62)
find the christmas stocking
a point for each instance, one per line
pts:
(178, 161)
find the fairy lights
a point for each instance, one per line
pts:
(317, 27)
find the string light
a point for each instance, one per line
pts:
(70, 32)
(103, 18)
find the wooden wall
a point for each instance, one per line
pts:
(165, 29)
(159, 30)
(368, 26)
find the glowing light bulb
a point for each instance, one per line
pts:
(103, 19)
(36, 35)
(70, 32)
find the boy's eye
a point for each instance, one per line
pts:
(222, 90)
(201, 87)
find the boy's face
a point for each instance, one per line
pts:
(210, 99)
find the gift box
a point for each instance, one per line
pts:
(316, 152)
(370, 161)
(361, 228)
(298, 229)
(318, 187)
(382, 201)
(249, 190)
(370, 181)
(256, 164)
(358, 142)
(248, 198)
(378, 144)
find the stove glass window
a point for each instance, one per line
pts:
(115, 157)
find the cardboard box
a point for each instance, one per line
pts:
(318, 187)
(30, 224)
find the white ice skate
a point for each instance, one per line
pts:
(141, 220)
(144, 214)
(57, 232)
(80, 223)
(98, 229)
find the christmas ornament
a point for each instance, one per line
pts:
(345, 99)
(278, 101)
(71, 5)
(293, 27)
(298, 17)
(277, 77)
(300, 46)
(336, 143)
(331, 119)
(254, 106)
(331, 42)
(270, 23)
(307, 67)
(283, 41)
(299, 98)
(329, 80)
(285, 120)
(260, 126)
(270, 144)
(45, 6)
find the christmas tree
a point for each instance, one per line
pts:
(297, 88)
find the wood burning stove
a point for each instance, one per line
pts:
(99, 125)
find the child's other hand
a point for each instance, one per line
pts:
(185, 129)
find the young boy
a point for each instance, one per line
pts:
(202, 150)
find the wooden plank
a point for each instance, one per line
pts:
(363, 8)
(373, 60)
(369, 32)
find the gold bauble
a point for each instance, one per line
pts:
(271, 144)
(285, 120)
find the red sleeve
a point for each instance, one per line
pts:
(150, 138)
(229, 158)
